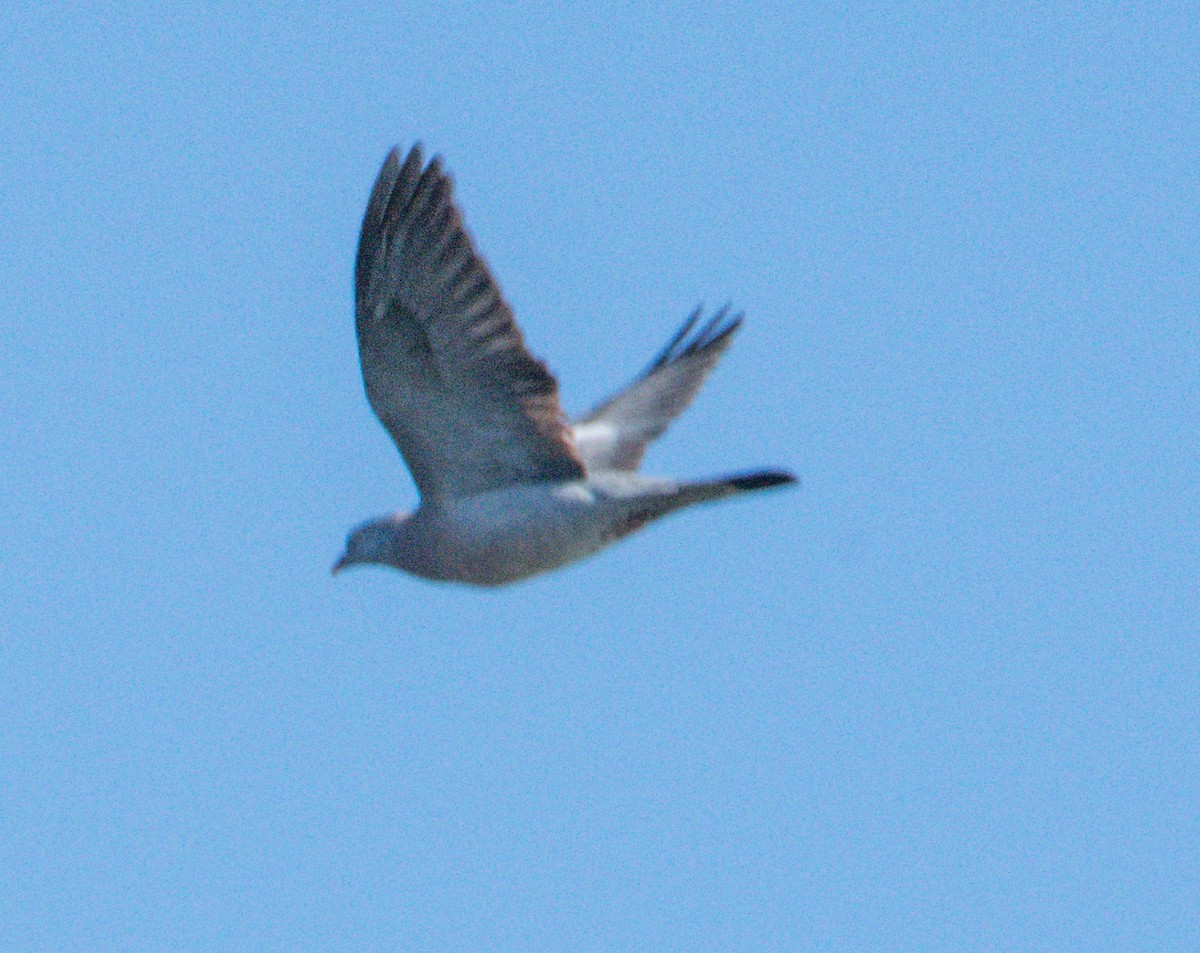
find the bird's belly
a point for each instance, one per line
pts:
(510, 535)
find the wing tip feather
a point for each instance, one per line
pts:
(715, 332)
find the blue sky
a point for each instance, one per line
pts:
(942, 697)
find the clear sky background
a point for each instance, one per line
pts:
(944, 696)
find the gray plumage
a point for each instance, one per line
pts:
(508, 487)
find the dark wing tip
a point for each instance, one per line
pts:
(714, 333)
(398, 185)
(414, 156)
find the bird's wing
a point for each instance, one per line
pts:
(614, 435)
(445, 366)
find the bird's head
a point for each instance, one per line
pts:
(375, 541)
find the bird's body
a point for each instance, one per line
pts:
(509, 488)
(489, 539)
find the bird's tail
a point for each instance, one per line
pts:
(721, 487)
(759, 480)
(662, 497)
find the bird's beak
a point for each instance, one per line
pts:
(338, 566)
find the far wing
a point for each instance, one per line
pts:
(445, 366)
(614, 435)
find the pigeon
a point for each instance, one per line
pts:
(509, 487)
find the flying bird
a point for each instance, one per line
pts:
(509, 486)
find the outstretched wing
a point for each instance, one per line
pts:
(444, 363)
(614, 435)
